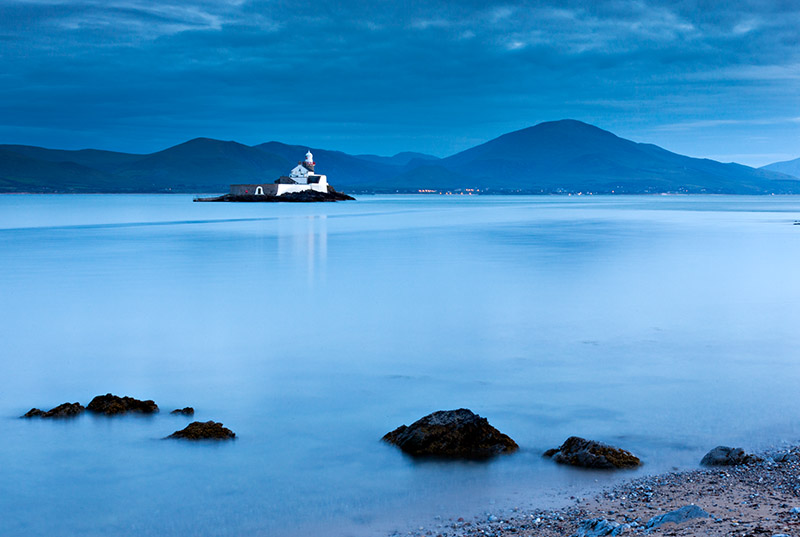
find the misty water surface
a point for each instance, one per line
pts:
(666, 325)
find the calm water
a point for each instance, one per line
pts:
(667, 325)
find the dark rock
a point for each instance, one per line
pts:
(111, 404)
(66, 410)
(678, 516)
(297, 197)
(599, 527)
(726, 456)
(590, 454)
(453, 434)
(209, 430)
(187, 411)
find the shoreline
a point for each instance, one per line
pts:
(757, 499)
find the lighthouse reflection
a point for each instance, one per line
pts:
(303, 244)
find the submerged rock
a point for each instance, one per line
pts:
(678, 516)
(599, 527)
(209, 430)
(66, 410)
(111, 405)
(726, 456)
(591, 454)
(186, 411)
(453, 434)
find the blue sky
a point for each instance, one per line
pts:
(708, 78)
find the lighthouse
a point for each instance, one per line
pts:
(309, 163)
(301, 178)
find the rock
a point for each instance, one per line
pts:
(209, 430)
(598, 527)
(111, 405)
(687, 512)
(66, 410)
(187, 411)
(459, 434)
(304, 196)
(725, 456)
(590, 454)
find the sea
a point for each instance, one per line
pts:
(666, 325)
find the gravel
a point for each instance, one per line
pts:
(761, 499)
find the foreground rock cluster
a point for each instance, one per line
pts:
(451, 434)
(112, 405)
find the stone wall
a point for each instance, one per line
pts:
(269, 189)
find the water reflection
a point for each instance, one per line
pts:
(303, 246)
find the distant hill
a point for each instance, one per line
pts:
(789, 167)
(21, 173)
(571, 155)
(558, 156)
(107, 161)
(203, 164)
(401, 159)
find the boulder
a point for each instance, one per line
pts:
(66, 410)
(600, 527)
(111, 405)
(726, 456)
(678, 516)
(459, 434)
(590, 454)
(209, 430)
(187, 411)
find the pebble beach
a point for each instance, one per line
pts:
(759, 499)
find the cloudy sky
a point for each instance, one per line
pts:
(705, 78)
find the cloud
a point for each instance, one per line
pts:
(382, 71)
(715, 123)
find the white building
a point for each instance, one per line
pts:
(302, 177)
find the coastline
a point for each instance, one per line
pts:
(758, 499)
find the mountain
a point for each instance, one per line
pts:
(107, 161)
(572, 155)
(400, 159)
(21, 173)
(203, 164)
(789, 167)
(557, 156)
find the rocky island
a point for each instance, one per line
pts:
(301, 185)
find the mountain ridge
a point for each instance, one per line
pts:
(789, 167)
(550, 157)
